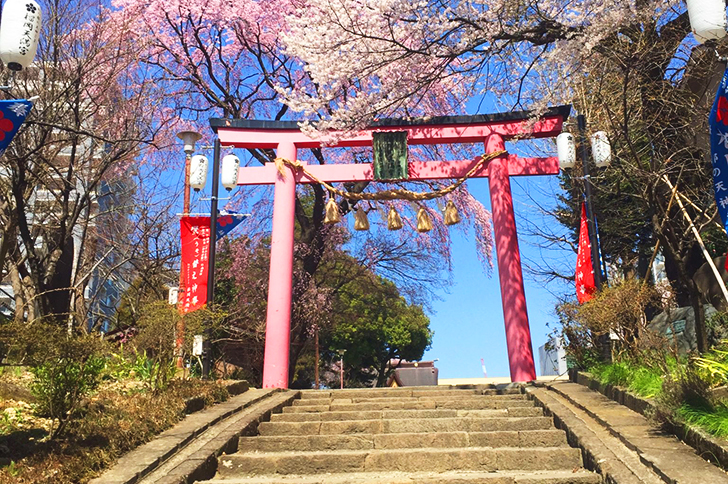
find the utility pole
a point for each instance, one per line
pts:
(584, 145)
(207, 357)
(604, 340)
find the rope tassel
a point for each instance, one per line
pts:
(452, 216)
(332, 212)
(394, 221)
(361, 222)
(424, 223)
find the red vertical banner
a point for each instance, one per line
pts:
(195, 233)
(585, 285)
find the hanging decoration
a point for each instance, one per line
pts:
(452, 216)
(394, 221)
(195, 235)
(332, 212)
(12, 114)
(390, 155)
(707, 19)
(19, 33)
(718, 123)
(396, 194)
(585, 285)
(424, 223)
(361, 222)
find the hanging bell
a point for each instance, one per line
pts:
(332, 212)
(361, 222)
(394, 221)
(451, 214)
(424, 223)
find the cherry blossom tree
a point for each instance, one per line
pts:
(227, 59)
(631, 67)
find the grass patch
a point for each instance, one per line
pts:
(713, 420)
(644, 381)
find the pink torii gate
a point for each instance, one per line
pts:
(492, 130)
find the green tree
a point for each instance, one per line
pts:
(374, 324)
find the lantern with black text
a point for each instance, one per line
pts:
(19, 33)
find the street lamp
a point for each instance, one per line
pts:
(198, 179)
(341, 355)
(189, 138)
(602, 154)
(707, 19)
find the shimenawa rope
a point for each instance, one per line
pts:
(396, 194)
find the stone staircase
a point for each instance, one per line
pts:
(408, 435)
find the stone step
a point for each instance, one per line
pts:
(398, 392)
(486, 459)
(393, 414)
(448, 396)
(452, 477)
(482, 403)
(388, 426)
(393, 392)
(294, 443)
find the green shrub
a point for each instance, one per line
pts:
(60, 385)
(616, 312)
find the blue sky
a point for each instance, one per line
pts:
(468, 323)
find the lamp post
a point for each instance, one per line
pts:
(207, 357)
(591, 220)
(601, 152)
(341, 354)
(189, 138)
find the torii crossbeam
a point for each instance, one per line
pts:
(491, 130)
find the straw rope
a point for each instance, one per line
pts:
(395, 194)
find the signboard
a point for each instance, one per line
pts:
(390, 155)
(197, 345)
(195, 252)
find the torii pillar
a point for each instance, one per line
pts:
(492, 130)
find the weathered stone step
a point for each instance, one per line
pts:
(454, 477)
(448, 396)
(388, 426)
(485, 459)
(482, 403)
(392, 414)
(509, 438)
(395, 392)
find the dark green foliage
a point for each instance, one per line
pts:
(374, 324)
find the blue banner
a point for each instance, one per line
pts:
(718, 122)
(12, 114)
(227, 221)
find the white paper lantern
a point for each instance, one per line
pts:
(566, 150)
(601, 149)
(19, 33)
(198, 172)
(707, 19)
(229, 171)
